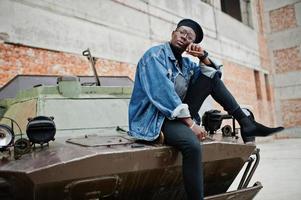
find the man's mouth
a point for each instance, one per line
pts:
(180, 42)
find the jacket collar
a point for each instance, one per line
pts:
(169, 51)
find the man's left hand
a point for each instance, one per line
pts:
(195, 50)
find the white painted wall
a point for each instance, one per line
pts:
(123, 30)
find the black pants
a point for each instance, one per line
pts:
(182, 138)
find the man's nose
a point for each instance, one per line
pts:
(184, 35)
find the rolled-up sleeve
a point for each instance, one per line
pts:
(160, 89)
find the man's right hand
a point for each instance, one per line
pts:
(199, 132)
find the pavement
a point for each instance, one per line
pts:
(279, 170)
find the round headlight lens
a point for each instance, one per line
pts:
(6, 136)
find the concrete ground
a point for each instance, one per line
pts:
(279, 170)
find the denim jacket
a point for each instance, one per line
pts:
(154, 96)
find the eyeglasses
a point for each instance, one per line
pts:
(189, 36)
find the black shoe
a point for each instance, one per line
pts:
(251, 129)
(263, 131)
(247, 139)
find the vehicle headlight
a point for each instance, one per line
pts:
(40, 129)
(6, 137)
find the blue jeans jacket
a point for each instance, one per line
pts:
(154, 96)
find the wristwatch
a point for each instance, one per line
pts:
(203, 56)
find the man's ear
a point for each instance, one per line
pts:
(173, 32)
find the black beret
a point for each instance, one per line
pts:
(195, 27)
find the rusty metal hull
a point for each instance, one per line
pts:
(69, 171)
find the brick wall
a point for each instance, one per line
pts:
(291, 110)
(288, 59)
(264, 87)
(240, 80)
(18, 59)
(265, 60)
(283, 18)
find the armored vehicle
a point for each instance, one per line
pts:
(61, 138)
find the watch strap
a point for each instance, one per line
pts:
(204, 56)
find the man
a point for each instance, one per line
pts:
(168, 93)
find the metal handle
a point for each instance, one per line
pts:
(92, 60)
(246, 178)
